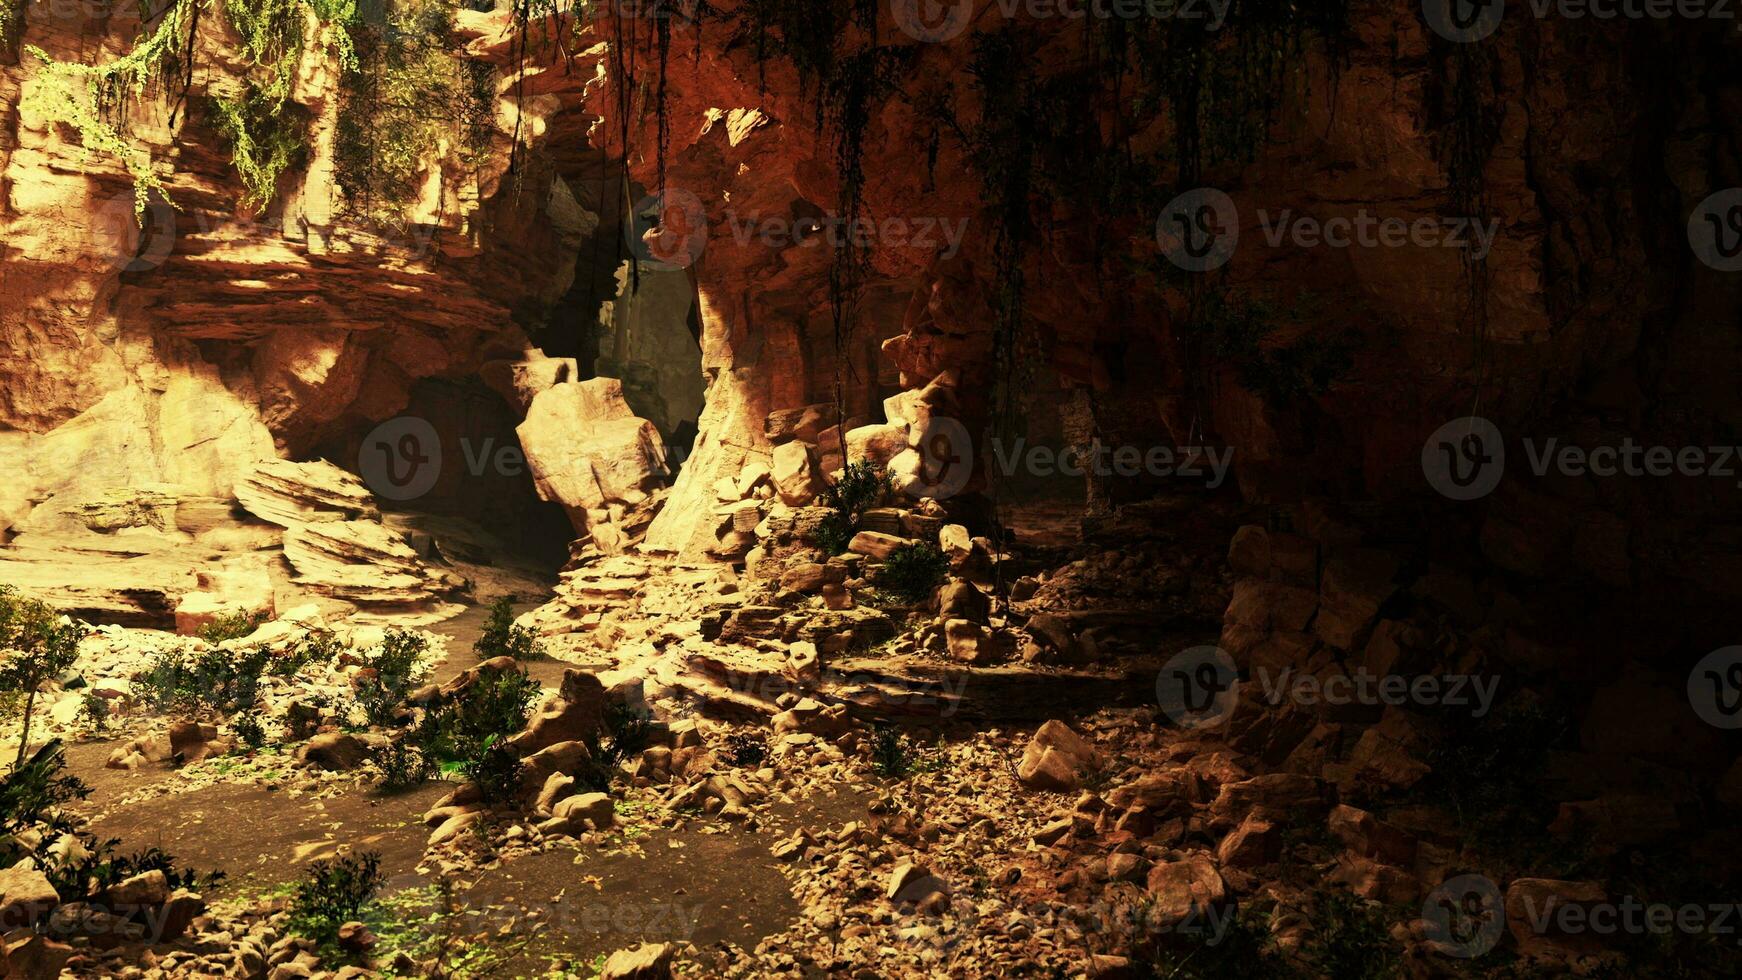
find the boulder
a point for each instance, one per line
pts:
(587, 450)
(875, 544)
(796, 473)
(335, 751)
(575, 713)
(1184, 889)
(25, 897)
(1056, 757)
(649, 961)
(877, 444)
(594, 810)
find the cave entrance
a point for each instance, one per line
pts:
(633, 319)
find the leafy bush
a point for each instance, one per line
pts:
(247, 727)
(333, 893)
(746, 750)
(231, 627)
(38, 645)
(465, 733)
(913, 572)
(403, 765)
(94, 709)
(390, 674)
(318, 647)
(501, 638)
(860, 488)
(216, 680)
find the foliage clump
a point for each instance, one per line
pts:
(466, 733)
(502, 638)
(233, 626)
(861, 487)
(37, 645)
(333, 893)
(913, 572)
(389, 675)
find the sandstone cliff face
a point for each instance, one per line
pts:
(297, 328)
(216, 335)
(1593, 319)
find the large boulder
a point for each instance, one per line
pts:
(25, 896)
(587, 450)
(1056, 757)
(573, 714)
(796, 474)
(649, 961)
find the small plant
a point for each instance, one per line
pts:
(333, 893)
(859, 489)
(746, 750)
(1350, 938)
(891, 757)
(248, 729)
(38, 645)
(94, 711)
(403, 766)
(390, 674)
(231, 627)
(318, 647)
(913, 572)
(465, 733)
(502, 638)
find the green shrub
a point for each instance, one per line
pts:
(37, 646)
(217, 680)
(403, 765)
(231, 627)
(861, 486)
(333, 893)
(464, 734)
(318, 647)
(391, 673)
(248, 729)
(913, 572)
(501, 638)
(94, 709)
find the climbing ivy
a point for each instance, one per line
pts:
(93, 99)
